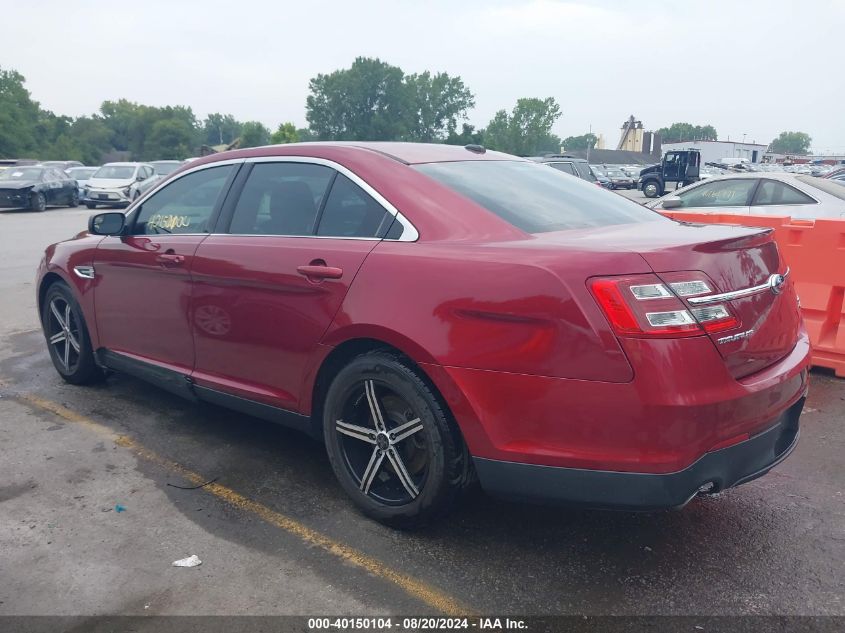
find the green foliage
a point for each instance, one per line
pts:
(170, 139)
(467, 136)
(286, 133)
(375, 101)
(254, 134)
(220, 129)
(791, 143)
(678, 132)
(93, 137)
(526, 130)
(584, 141)
(19, 115)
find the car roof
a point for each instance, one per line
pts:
(556, 158)
(123, 164)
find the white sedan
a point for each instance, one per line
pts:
(795, 195)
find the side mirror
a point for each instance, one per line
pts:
(672, 202)
(111, 223)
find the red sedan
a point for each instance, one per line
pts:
(440, 314)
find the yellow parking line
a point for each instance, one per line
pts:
(412, 586)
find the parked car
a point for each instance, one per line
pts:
(118, 184)
(64, 165)
(81, 175)
(568, 165)
(601, 179)
(36, 188)
(796, 195)
(437, 313)
(618, 179)
(163, 168)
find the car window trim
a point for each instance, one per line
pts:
(781, 204)
(409, 231)
(132, 212)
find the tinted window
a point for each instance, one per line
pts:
(351, 212)
(774, 192)
(568, 168)
(281, 199)
(585, 172)
(535, 198)
(721, 193)
(185, 205)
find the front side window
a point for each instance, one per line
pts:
(352, 212)
(184, 206)
(586, 173)
(281, 199)
(773, 192)
(721, 193)
(536, 199)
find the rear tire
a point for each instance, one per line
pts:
(74, 199)
(38, 202)
(67, 336)
(91, 205)
(406, 468)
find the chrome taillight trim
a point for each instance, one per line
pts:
(773, 284)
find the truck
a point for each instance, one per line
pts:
(678, 166)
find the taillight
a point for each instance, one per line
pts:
(645, 306)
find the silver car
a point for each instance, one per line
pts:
(118, 184)
(761, 193)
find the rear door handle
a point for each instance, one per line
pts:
(320, 272)
(170, 259)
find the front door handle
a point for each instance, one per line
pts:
(170, 259)
(320, 272)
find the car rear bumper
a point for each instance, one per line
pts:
(716, 471)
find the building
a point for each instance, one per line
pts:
(714, 151)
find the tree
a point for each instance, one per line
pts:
(373, 100)
(791, 143)
(585, 141)
(93, 138)
(219, 129)
(18, 116)
(170, 138)
(254, 134)
(526, 130)
(678, 132)
(365, 102)
(64, 148)
(467, 136)
(286, 133)
(436, 102)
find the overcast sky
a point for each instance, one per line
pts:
(752, 68)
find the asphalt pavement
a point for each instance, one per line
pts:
(102, 488)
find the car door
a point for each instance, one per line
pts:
(143, 283)
(53, 190)
(774, 197)
(267, 290)
(731, 195)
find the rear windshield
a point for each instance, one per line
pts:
(828, 186)
(535, 198)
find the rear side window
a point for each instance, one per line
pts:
(185, 205)
(537, 199)
(586, 173)
(774, 192)
(567, 168)
(281, 199)
(352, 212)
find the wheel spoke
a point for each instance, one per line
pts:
(375, 410)
(358, 432)
(57, 338)
(56, 314)
(67, 356)
(372, 468)
(405, 430)
(402, 472)
(67, 316)
(73, 342)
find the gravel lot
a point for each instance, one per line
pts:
(277, 536)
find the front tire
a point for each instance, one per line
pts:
(38, 202)
(651, 189)
(390, 442)
(67, 336)
(91, 205)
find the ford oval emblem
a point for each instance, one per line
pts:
(776, 283)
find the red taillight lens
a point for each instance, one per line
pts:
(646, 306)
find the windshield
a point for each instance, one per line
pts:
(81, 173)
(616, 173)
(537, 199)
(165, 169)
(21, 173)
(115, 172)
